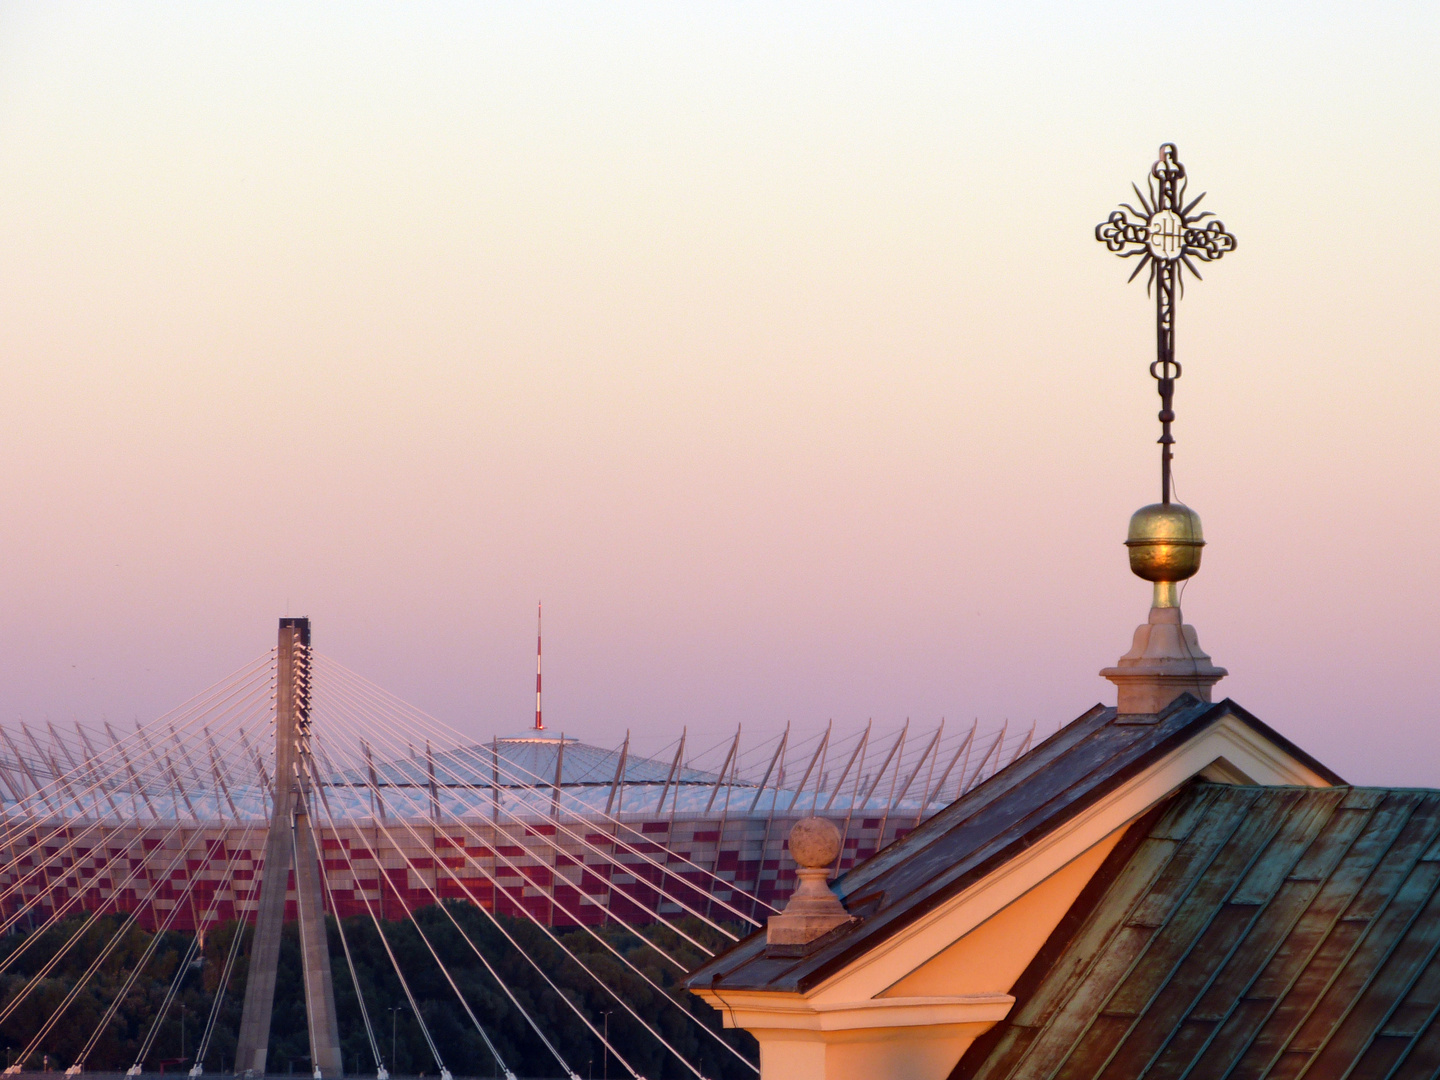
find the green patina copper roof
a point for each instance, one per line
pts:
(1243, 932)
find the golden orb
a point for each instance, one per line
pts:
(1165, 541)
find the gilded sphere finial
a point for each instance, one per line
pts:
(1165, 541)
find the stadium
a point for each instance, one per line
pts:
(168, 821)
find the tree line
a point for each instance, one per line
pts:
(397, 1030)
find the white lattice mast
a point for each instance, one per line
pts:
(291, 843)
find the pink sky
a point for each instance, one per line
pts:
(768, 344)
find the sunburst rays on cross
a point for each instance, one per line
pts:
(1159, 232)
(1169, 236)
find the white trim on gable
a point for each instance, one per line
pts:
(1243, 750)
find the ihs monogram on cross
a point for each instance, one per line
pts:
(1167, 237)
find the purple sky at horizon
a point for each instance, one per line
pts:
(768, 344)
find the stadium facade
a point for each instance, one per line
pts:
(173, 829)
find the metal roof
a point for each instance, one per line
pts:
(1243, 932)
(526, 760)
(1058, 779)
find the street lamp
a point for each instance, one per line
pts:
(605, 1068)
(395, 1011)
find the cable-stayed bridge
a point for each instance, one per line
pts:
(372, 811)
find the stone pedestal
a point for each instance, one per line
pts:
(814, 910)
(1164, 662)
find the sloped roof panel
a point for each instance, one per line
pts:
(1033, 795)
(1250, 932)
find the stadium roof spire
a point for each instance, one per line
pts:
(539, 717)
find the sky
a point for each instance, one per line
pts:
(768, 344)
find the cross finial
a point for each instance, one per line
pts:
(1168, 236)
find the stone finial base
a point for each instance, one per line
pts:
(1164, 662)
(813, 911)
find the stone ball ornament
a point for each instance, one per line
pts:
(815, 843)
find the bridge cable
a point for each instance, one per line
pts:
(537, 787)
(399, 974)
(662, 869)
(193, 706)
(522, 871)
(80, 983)
(494, 974)
(585, 868)
(15, 832)
(464, 785)
(144, 959)
(435, 726)
(62, 909)
(60, 852)
(619, 999)
(500, 889)
(344, 944)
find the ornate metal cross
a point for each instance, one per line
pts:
(1167, 237)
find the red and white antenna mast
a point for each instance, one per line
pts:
(539, 721)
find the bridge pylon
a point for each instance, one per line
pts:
(290, 844)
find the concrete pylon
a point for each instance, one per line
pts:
(290, 844)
